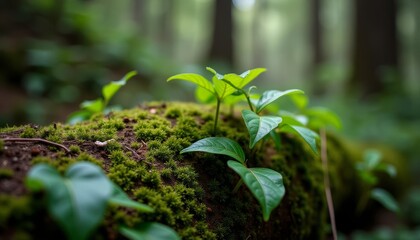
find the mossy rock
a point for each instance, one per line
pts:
(192, 193)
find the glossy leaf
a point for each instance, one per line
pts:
(109, 90)
(194, 78)
(386, 199)
(308, 135)
(222, 88)
(259, 126)
(120, 198)
(149, 231)
(218, 145)
(272, 95)
(265, 184)
(76, 201)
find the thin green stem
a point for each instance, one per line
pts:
(238, 185)
(242, 91)
(216, 118)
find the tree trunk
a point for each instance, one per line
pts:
(375, 51)
(318, 56)
(222, 41)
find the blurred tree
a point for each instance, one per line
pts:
(375, 50)
(318, 54)
(222, 40)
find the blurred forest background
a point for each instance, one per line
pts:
(359, 58)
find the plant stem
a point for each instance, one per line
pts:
(242, 91)
(36, 140)
(328, 195)
(216, 117)
(238, 185)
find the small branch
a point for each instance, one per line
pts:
(36, 140)
(328, 195)
(238, 185)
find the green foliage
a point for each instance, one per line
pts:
(308, 135)
(367, 169)
(270, 96)
(259, 126)
(149, 230)
(218, 145)
(77, 201)
(89, 108)
(265, 184)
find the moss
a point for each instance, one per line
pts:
(74, 149)
(192, 192)
(28, 132)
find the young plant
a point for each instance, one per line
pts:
(88, 108)
(218, 87)
(78, 200)
(367, 169)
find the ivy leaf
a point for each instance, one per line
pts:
(265, 184)
(308, 135)
(385, 198)
(109, 90)
(149, 231)
(76, 201)
(194, 78)
(218, 145)
(272, 95)
(120, 198)
(259, 126)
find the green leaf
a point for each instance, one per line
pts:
(94, 106)
(204, 96)
(308, 135)
(149, 231)
(78, 116)
(109, 90)
(259, 126)
(385, 198)
(321, 117)
(265, 184)
(276, 138)
(194, 78)
(372, 158)
(218, 145)
(272, 95)
(222, 88)
(293, 119)
(76, 201)
(250, 75)
(300, 100)
(120, 198)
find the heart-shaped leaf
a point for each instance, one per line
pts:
(149, 231)
(265, 184)
(109, 90)
(259, 126)
(194, 78)
(308, 135)
(120, 198)
(272, 95)
(218, 145)
(78, 200)
(386, 199)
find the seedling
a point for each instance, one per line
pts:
(371, 164)
(78, 200)
(219, 88)
(88, 108)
